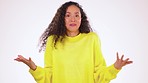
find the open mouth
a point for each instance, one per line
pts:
(72, 25)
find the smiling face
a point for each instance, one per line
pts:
(72, 19)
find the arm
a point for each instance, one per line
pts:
(102, 73)
(43, 75)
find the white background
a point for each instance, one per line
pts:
(121, 24)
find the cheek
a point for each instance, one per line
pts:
(67, 20)
(79, 21)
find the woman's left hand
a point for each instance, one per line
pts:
(120, 62)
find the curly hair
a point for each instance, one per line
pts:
(57, 26)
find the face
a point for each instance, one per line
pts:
(73, 19)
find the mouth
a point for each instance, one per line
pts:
(72, 25)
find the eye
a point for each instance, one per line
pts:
(77, 16)
(67, 15)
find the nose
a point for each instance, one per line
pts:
(73, 19)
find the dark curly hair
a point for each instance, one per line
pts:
(57, 26)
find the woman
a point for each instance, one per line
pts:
(72, 51)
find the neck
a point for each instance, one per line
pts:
(72, 34)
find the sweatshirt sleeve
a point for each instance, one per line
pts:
(102, 73)
(44, 75)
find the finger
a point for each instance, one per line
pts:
(129, 62)
(125, 62)
(126, 59)
(29, 59)
(22, 58)
(122, 57)
(117, 56)
(17, 59)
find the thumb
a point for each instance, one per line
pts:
(30, 59)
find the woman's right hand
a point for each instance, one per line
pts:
(28, 62)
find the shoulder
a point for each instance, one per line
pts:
(92, 35)
(49, 40)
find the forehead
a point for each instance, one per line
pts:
(72, 9)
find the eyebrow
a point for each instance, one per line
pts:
(75, 12)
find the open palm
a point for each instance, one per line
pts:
(120, 62)
(28, 62)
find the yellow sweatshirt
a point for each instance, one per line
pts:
(77, 60)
